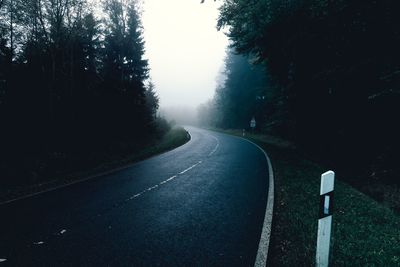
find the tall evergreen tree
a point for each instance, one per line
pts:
(336, 65)
(70, 81)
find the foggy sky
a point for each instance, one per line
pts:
(184, 49)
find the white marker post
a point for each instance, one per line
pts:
(325, 218)
(253, 124)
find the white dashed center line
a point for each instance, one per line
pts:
(163, 182)
(216, 146)
(214, 150)
(175, 176)
(63, 231)
(188, 169)
(171, 178)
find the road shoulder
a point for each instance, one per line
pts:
(365, 232)
(176, 138)
(263, 246)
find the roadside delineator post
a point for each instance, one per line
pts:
(253, 124)
(325, 218)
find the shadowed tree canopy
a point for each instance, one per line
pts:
(333, 69)
(70, 82)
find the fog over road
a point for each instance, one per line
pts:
(201, 204)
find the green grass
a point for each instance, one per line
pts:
(365, 233)
(177, 136)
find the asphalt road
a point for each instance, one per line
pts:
(202, 204)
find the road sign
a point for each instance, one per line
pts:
(253, 123)
(325, 218)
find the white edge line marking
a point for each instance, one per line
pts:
(263, 245)
(87, 178)
(90, 177)
(3, 260)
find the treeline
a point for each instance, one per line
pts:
(73, 82)
(333, 71)
(239, 96)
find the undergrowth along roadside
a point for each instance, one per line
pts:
(365, 233)
(175, 137)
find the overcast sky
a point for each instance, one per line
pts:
(184, 49)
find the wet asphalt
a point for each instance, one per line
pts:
(201, 204)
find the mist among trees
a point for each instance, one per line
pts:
(240, 95)
(330, 78)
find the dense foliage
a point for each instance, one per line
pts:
(337, 67)
(71, 81)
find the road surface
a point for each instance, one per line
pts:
(202, 204)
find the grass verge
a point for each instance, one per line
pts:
(176, 137)
(365, 233)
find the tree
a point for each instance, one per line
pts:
(242, 94)
(71, 82)
(125, 69)
(152, 100)
(335, 64)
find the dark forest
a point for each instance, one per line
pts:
(330, 79)
(73, 88)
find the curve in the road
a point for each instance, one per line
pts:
(263, 246)
(202, 203)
